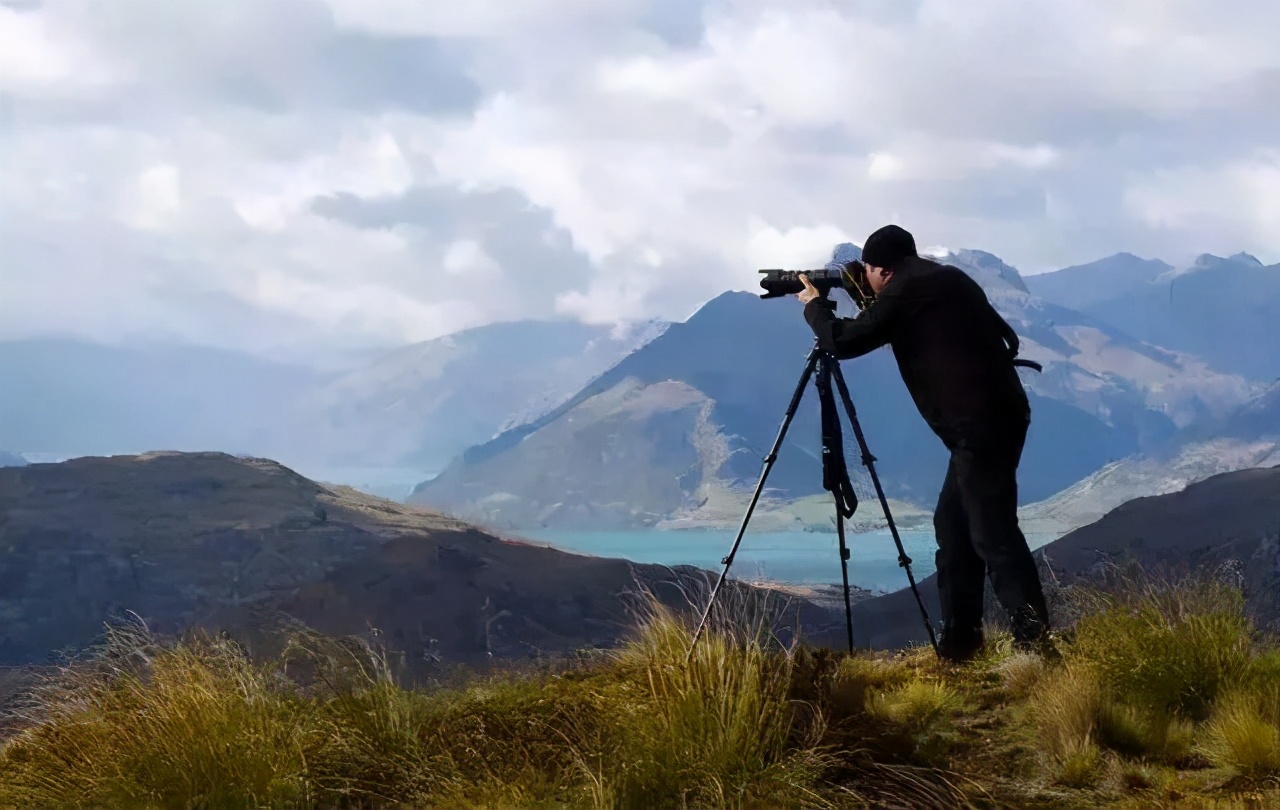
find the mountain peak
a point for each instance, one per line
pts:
(846, 252)
(987, 269)
(1209, 260)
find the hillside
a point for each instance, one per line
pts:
(687, 418)
(1233, 516)
(211, 540)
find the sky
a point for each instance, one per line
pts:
(301, 176)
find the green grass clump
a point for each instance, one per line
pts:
(922, 713)
(715, 730)
(191, 724)
(1169, 647)
(1065, 706)
(1244, 731)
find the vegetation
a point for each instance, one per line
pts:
(1165, 695)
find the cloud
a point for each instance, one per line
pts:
(310, 175)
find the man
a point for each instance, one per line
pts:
(957, 358)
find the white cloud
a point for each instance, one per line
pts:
(330, 169)
(794, 248)
(40, 58)
(154, 201)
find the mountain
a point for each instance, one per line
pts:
(75, 398)
(1247, 437)
(246, 545)
(1219, 309)
(1146, 389)
(416, 405)
(8, 459)
(425, 403)
(1231, 518)
(1084, 285)
(692, 413)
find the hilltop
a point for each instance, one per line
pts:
(247, 545)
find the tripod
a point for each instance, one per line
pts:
(835, 479)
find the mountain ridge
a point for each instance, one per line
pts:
(1102, 397)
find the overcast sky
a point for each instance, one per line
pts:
(275, 174)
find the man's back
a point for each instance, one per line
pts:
(950, 346)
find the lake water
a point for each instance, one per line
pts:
(786, 557)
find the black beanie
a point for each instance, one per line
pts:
(888, 246)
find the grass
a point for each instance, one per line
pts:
(1164, 696)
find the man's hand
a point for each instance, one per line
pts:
(809, 292)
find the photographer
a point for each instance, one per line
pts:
(957, 358)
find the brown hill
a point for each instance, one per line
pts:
(212, 540)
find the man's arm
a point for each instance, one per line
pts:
(854, 337)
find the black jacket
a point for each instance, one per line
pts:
(953, 349)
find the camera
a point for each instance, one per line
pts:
(852, 276)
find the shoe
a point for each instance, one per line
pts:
(1041, 645)
(1031, 635)
(960, 644)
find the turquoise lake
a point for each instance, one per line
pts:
(786, 557)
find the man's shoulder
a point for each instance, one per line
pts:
(919, 271)
(938, 281)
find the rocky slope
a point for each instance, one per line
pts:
(1231, 518)
(701, 404)
(242, 544)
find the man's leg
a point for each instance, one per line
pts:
(986, 477)
(961, 574)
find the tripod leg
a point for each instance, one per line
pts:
(844, 573)
(868, 461)
(768, 465)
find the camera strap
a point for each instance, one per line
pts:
(835, 475)
(1031, 364)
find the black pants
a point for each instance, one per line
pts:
(976, 523)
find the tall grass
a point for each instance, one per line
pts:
(718, 729)
(151, 723)
(1162, 671)
(1170, 646)
(1152, 681)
